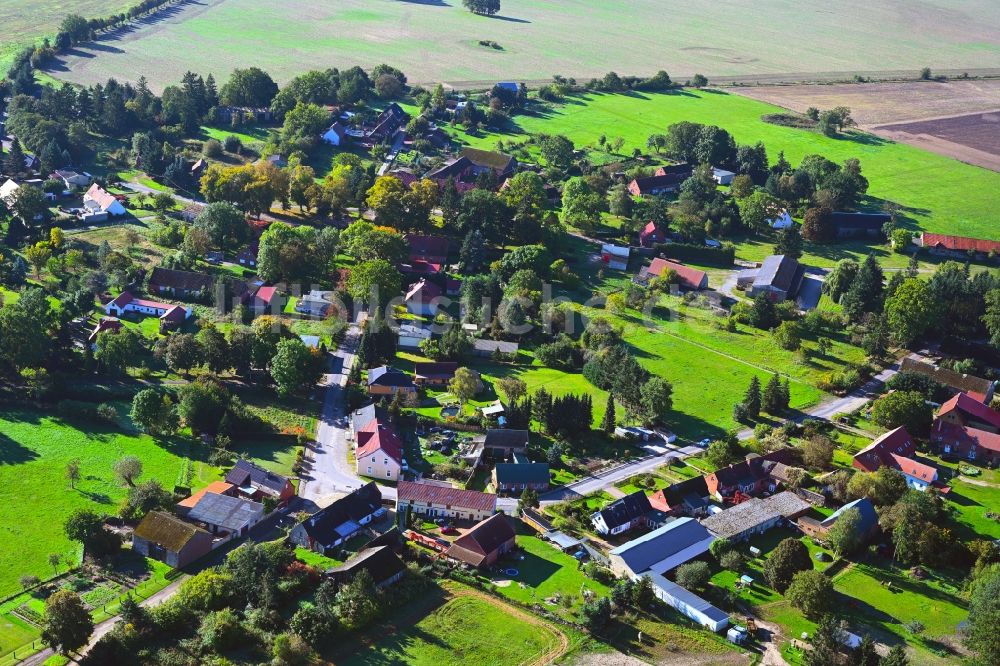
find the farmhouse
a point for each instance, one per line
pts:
(72, 179)
(615, 257)
(503, 443)
(422, 298)
(485, 543)
(384, 566)
(434, 373)
(665, 180)
(411, 335)
(330, 527)
(895, 449)
(171, 316)
(386, 380)
(168, 539)
(443, 501)
(866, 528)
(959, 247)
(482, 347)
(380, 451)
(965, 411)
(779, 277)
(976, 387)
(688, 278)
(750, 477)
(623, 514)
(968, 443)
(336, 135)
(254, 482)
(860, 225)
(688, 497)
(105, 324)
(471, 163)
(387, 123)
(97, 199)
(651, 235)
(225, 515)
(180, 284)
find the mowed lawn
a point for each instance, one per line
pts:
(35, 497)
(464, 630)
(938, 194)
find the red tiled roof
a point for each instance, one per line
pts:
(105, 324)
(959, 243)
(649, 230)
(378, 437)
(122, 299)
(966, 436)
(974, 408)
(691, 277)
(659, 501)
(103, 198)
(423, 292)
(266, 293)
(881, 451)
(216, 487)
(408, 491)
(911, 467)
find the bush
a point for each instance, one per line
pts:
(693, 575)
(600, 573)
(733, 560)
(107, 412)
(212, 148)
(699, 254)
(232, 144)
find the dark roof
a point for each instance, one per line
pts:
(778, 271)
(379, 561)
(435, 369)
(865, 509)
(230, 513)
(487, 537)
(677, 492)
(408, 491)
(679, 169)
(501, 438)
(955, 380)
(365, 415)
(860, 221)
(388, 376)
(167, 530)
(650, 183)
(363, 502)
(662, 543)
(244, 472)
(752, 470)
(522, 472)
(186, 280)
(625, 509)
(427, 246)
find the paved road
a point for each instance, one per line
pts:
(609, 477)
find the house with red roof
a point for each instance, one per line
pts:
(432, 249)
(439, 501)
(105, 324)
(651, 235)
(171, 316)
(965, 411)
(266, 300)
(966, 428)
(896, 450)
(960, 247)
(422, 298)
(99, 200)
(380, 451)
(687, 278)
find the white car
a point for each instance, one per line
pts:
(704, 443)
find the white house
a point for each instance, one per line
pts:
(782, 221)
(336, 135)
(722, 177)
(98, 199)
(615, 256)
(410, 336)
(72, 178)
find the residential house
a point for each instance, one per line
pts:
(248, 257)
(411, 335)
(652, 235)
(895, 449)
(959, 247)
(434, 373)
(481, 347)
(254, 482)
(470, 164)
(72, 179)
(688, 278)
(866, 528)
(330, 527)
(363, 416)
(225, 515)
(976, 387)
(277, 160)
(336, 134)
(105, 324)
(164, 537)
(688, 497)
(955, 441)
(379, 453)
(191, 211)
(615, 257)
(860, 225)
(516, 477)
(665, 180)
(779, 277)
(181, 284)
(749, 477)
(485, 543)
(316, 303)
(623, 514)
(380, 562)
(502, 443)
(266, 300)
(216, 488)
(422, 298)
(388, 122)
(431, 249)
(742, 521)
(965, 411)
(97, 199)
(171, 316)
(722, 177)
(436, 501)
(386, 380)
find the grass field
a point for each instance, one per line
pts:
(937, 193)
(24, 21)
(466, 629)
(439, 41)
(35, 497)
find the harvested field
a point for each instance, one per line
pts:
(972, 138)
(435, 40)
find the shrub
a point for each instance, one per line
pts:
(232, 144)
(107, 412)
(212, 148)
(693, 575)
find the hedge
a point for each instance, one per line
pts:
(699, 254)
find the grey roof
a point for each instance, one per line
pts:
(245, 472)
(229, 513)
(778, 271)
(562, 540)
(688, 598)
(642, 553)
(380, 562)
(365, 415)
(522, 472)
(625, 509)
(506, 439)
(739, 518)
(495, 345)
(863, 506)
(388, 376)
(352, 508)
(788, 504)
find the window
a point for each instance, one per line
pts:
(388, 475)
(369, 471)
